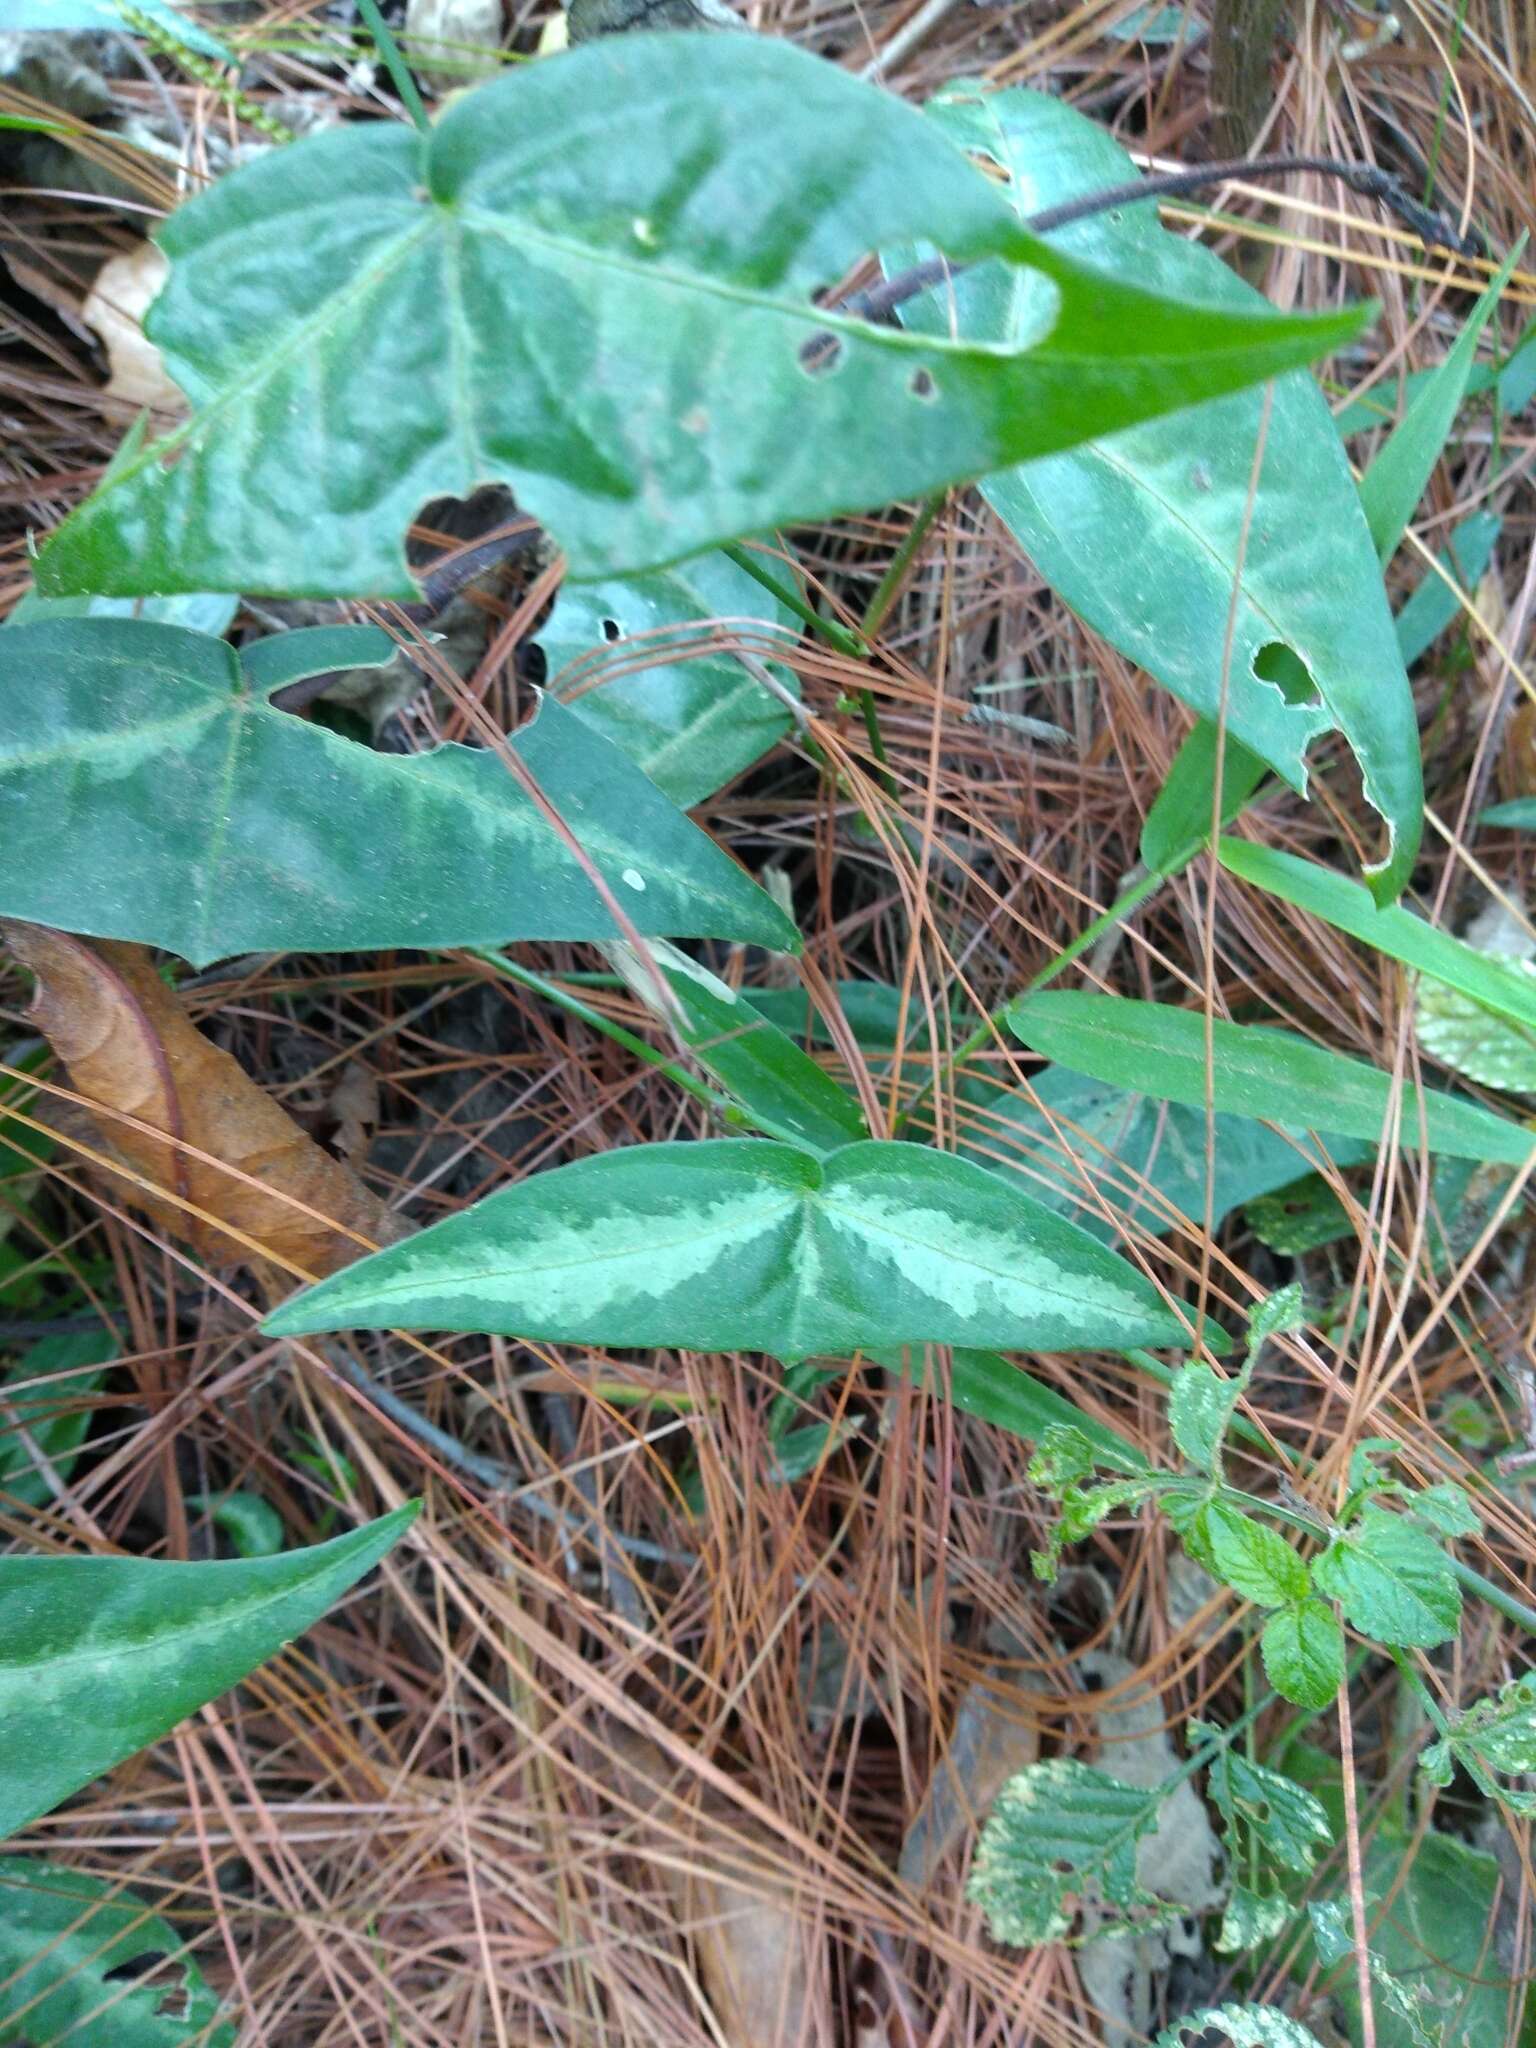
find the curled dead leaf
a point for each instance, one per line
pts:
(354, 1106)
(736, 1900)
(130, 1048)
(125, 289)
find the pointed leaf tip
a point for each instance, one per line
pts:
(100, 1656)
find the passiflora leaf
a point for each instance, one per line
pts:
(1494, 981)
(151, 793)
(100, 1656)
(1254, 1069)
(1179, 822)
(1082, 1141)
(739, 1245)
(1395, 481)
(778, 1087)
(1142, 533)
(632, 657)
(84, 1962)
(592, 281)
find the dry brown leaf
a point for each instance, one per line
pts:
(989, 1744)
(354, 1107)
(125, 288)
(130, 1046)
(735, 1899)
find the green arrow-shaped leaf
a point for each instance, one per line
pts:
(632, 656)
(593, 280)
(150, 793)
(84, 1962)
(1145, 534)
(734, 1245)
(1254, 1069)
(100, 1656)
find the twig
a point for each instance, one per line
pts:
(1432, 227)
(914, 30)
(619, 1576)
(490, 1473)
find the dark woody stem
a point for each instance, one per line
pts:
(1434, 229)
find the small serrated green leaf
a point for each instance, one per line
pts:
(1269, 1810)
(1058, 1830)
(1252, 1069)
(1064, 1458)
(1392, 1581)
(1285, 1309)
(1335, 1941)
(1303, 1652)
(1200, 1406)
(1255, 1561)
(1496, 1736)
(1243, 2026)
(1474, 1040)
(1447, 1508)
(1252, 1920)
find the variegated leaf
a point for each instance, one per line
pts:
(738, 1245)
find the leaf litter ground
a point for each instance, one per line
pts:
(589, 1758)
